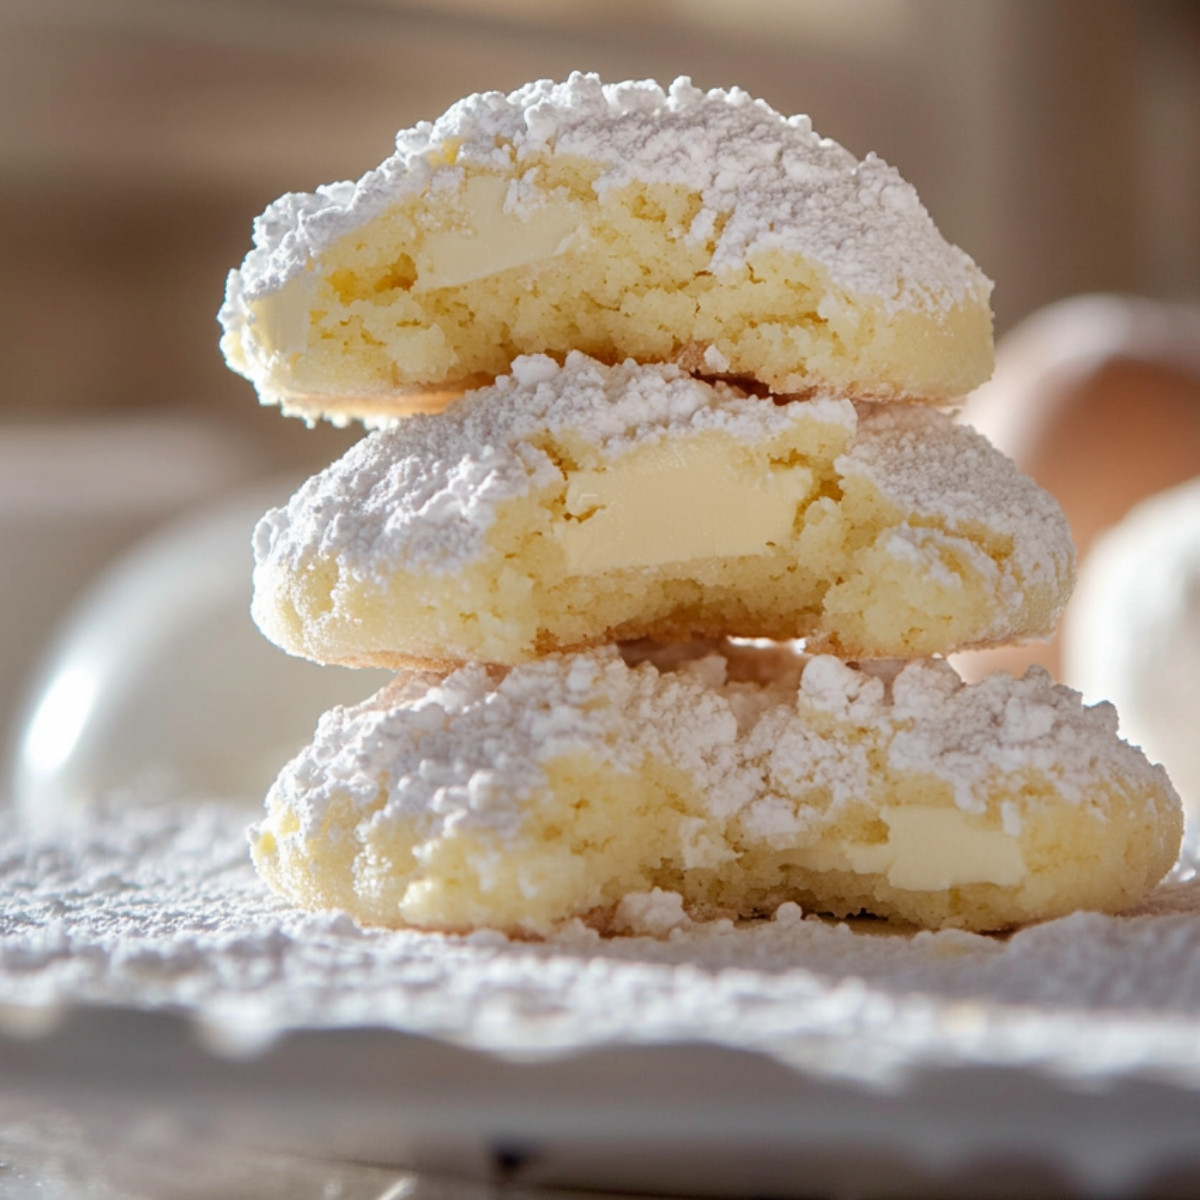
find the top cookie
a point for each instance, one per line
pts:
(700, 228)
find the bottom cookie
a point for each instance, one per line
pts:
(735, 776)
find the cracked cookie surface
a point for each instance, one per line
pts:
(716, 780)
(571, 506)
(626, 221)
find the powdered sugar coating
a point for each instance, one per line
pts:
(423, 494)
(933, 468)
(965, 734)
(467, 750)
(772, 181)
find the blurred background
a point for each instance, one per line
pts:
(1058, 141)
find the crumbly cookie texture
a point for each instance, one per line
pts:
(622, 220)
(716, 781)
(570, 506)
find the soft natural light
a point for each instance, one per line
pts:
(59, 720)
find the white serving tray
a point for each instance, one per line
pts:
(675, 1119)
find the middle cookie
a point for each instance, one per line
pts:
(568, 506)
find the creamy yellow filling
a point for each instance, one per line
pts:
(677, 500)
(930, 849)
(493, 238)
(280, 320)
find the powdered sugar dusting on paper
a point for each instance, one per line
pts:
(773, 182)
(161, 908)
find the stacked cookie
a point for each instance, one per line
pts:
(678, 367)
